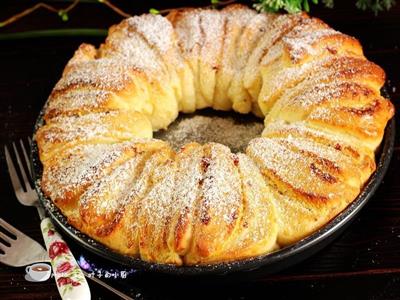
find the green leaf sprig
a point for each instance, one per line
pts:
(295, 6)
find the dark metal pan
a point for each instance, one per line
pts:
(271, 263)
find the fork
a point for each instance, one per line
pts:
(71, 284)
(20, 251)
(23, 251)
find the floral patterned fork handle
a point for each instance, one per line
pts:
(71, 281)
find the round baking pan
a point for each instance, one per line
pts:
(272, 262)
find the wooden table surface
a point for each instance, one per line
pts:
(363, 263)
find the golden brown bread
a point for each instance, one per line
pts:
(322, 180)
(251, 33)
(324, 119)
(92, 128)
(141, 198)
(236, 19)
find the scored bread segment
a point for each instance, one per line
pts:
(329, 68)
(361, 156)
(106, 127)
(219, 205)
(252, 79)
(248, 40)
(236, 19)
(309, 40)
(187, 26)
(319, 178)
(130, 42)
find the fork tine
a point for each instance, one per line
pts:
(30, 141)
(26, 158)
(11, 229)
(21, 168)
(13, 173)
(5, 238)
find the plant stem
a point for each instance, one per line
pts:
(54, 33)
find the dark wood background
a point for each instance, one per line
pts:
(363, 263)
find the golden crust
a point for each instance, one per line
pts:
(361, 156)
(329, 68)
(324, 119)
(252, 79)
(109, 127)
(348, 108)
(309, 175)
(187, 25)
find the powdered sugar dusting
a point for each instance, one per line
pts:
(237, 21)
(188, 178)
(157, 30)
(321, 92)
(252, 32)
(293, 168)
(303, 44)
(221, 187)
(134, 51)
(188, 32)
(77, 99)
(272, 35)
(258, 210)
(158, 202)
(302, 39)
(281, 127)
(309, 94)
(287, 78)
(230, 62)
(109, 194)
(79, 167)
(86, 127)
(211, 24)
(105, 73)
(321, 151)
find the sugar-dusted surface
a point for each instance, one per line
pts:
(155, 28)
(160, 35)
(212, 28)
(222, 186)
(236, 19)
(76, 99)
(80, 166)
(237, 22)
(305, 36)
(259, 215)
(322, 153)
(105, 74)
(309, 175)
(329, 92)
(126, 43)
(298, 102)
(304, 44)
(157, 203)
(187, 28)
(108, 195)
(271, 35)
(187, 192)
(86, 127)
(301, 128)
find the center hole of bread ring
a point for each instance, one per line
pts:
(230, 129)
